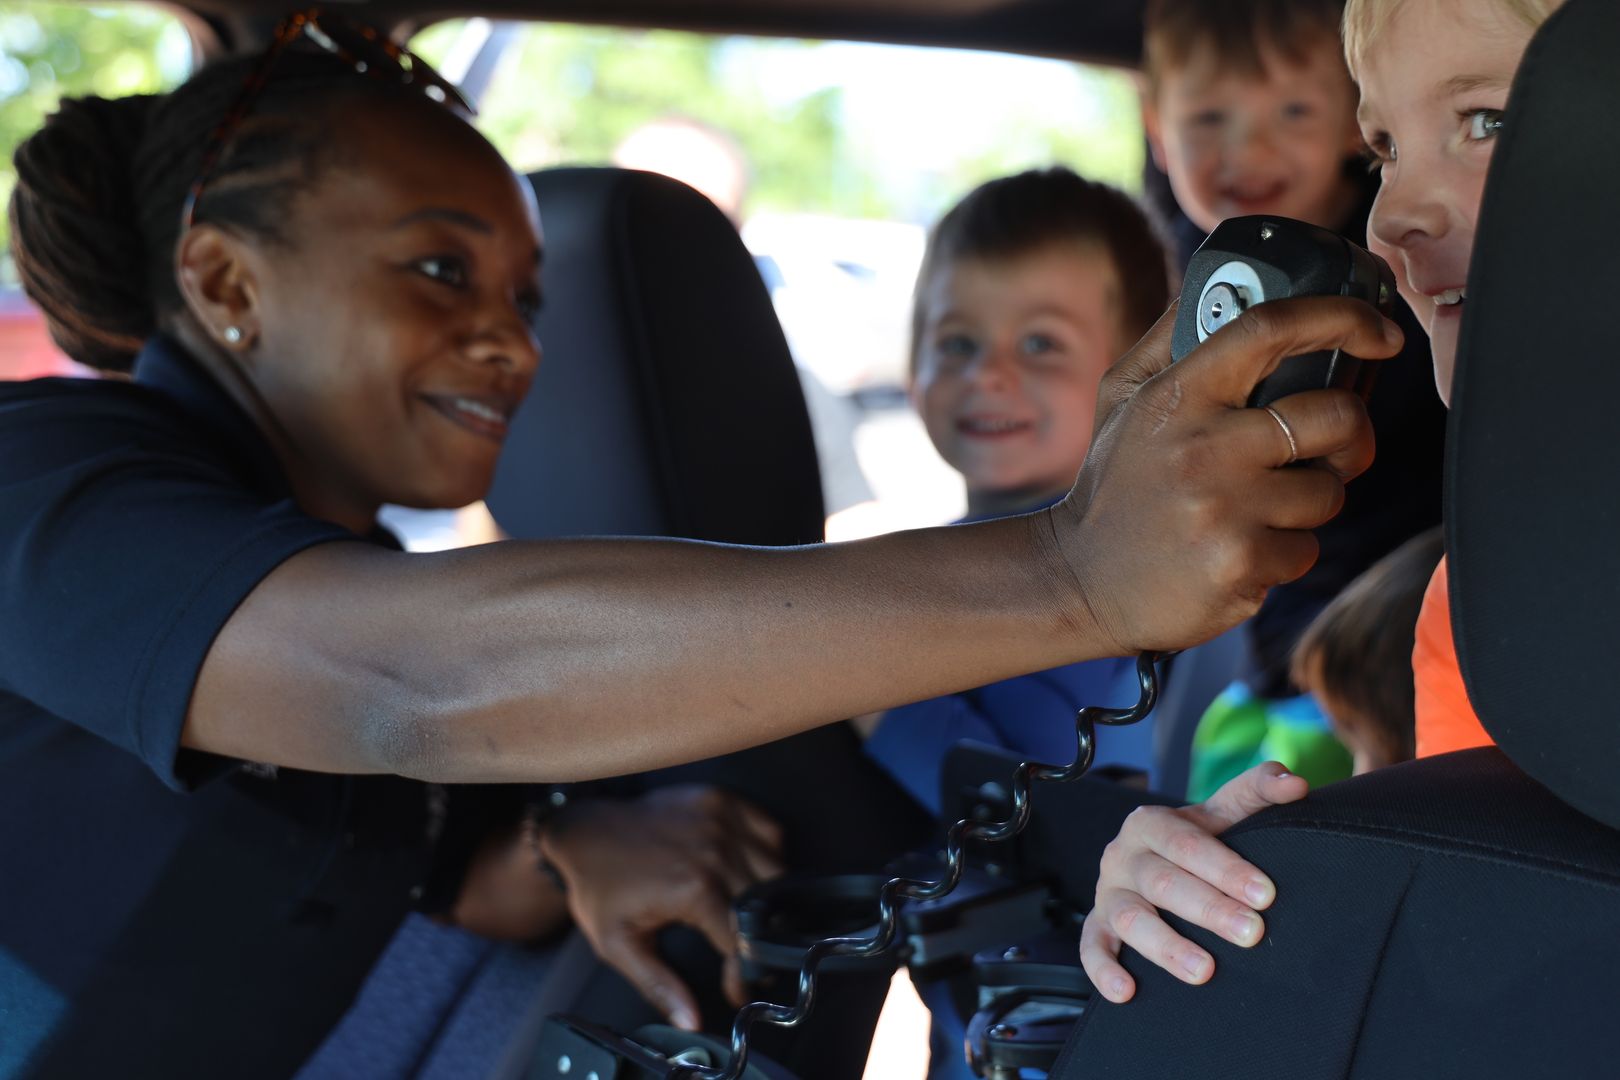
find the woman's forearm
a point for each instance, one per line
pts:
(563, 660)
(566, 660)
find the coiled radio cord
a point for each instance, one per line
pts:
(897, 889)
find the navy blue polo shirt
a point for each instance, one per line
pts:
(164, 912)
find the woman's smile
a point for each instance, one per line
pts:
(488, 415)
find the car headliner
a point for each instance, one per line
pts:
(1105, 31)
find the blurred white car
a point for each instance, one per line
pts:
(842, 289)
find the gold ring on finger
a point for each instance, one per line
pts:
(1288, 433)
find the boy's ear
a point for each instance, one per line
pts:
(219, 285)
(1153, 130)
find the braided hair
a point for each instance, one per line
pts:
(95, 215)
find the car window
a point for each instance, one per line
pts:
(832, 157)
(848, 128)
(52, 50)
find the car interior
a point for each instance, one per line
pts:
(1452, 917)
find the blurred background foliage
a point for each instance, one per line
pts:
(572, 93)
(51, 50)
(815, 142)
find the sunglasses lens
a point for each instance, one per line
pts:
(437, 87)
(352, 43)
(371, 53)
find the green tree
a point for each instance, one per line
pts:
(569, 94)
(52, 50)
(572, 93)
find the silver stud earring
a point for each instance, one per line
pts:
(233, 335)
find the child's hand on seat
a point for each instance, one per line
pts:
(1169, 858)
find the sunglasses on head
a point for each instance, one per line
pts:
(361, 47)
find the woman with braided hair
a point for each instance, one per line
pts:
(228, 702)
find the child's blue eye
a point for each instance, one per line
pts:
(1484, 124)
(446, 269)
(1208, 118)
(1037, 345)
(1297, 110)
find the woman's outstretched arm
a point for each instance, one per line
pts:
(573, 659)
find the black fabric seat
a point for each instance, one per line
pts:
(1460, 916)
(1447, 918)
(668, 405)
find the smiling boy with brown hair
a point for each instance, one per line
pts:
(1249, 109)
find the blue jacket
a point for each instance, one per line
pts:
(1031, 714)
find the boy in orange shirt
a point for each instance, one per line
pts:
(1446, 721)
(1433, 93)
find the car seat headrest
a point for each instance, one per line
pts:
(667, 403)
(1533, 513)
